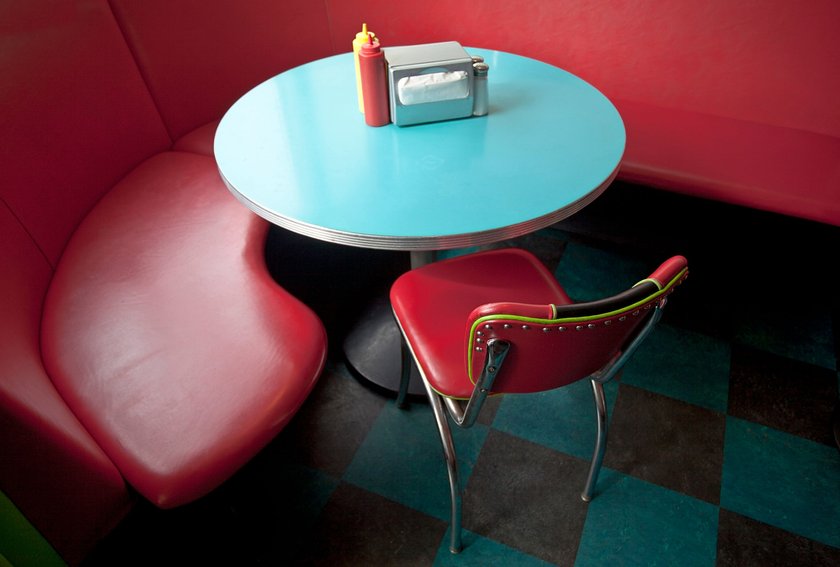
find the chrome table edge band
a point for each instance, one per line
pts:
(463, 240)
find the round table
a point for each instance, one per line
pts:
(296, 150)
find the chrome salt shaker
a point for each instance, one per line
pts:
(481, 98)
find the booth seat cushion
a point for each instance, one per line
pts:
(198, 141)
(772, 168)
(49, 465)
(165, 334)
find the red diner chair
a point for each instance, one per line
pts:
(498, 322)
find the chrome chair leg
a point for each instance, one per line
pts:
(600, 441)
(451, 467)
(405, 372)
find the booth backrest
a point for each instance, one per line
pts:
(198, 57)
(82, 115)
(98, 87)
(766, 61)
(730, 101)
(90, 89)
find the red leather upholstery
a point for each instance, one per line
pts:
(550, 352)
(170, 357)
(198, 141)
(50, 466)
(731, 101)
(76, 115)
(766, 62)
(725, 100)
(668, 271)
(513, 344)
(448, 312)
(433, 304)
(542, 311)
(784, 170)
(199, 57)
(166, 335)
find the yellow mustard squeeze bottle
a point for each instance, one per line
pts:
(361, 38)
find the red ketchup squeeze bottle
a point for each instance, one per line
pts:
(374, 83)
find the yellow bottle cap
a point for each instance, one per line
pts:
(362, 36)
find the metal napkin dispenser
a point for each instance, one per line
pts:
(429, 82)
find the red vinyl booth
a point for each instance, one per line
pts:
(132, 283)
(145, 351)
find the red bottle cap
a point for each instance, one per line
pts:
(371, 47)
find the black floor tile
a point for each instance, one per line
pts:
(294, 504)
(333, 422)
(744, 542)
(667, 442)
(360, 529)
(489, 409)
(782, 393)
(528, 497)
(181, 536)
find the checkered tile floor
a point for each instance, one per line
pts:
(721, 448)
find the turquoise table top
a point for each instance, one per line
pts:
(296, 150)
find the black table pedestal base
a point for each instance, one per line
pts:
(372, 351)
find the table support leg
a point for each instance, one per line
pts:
(421, 258)
(372, 347)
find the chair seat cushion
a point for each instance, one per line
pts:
(166, 336)
(432, 305)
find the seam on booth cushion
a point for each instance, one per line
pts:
(118, 20)
(26, 230)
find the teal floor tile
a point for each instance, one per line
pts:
(802, 335)
(312, 490)
(638, 523)
(684, 365)
(588, 273)
(355, 481)
(782, 480)
(455, 252)
(482, 552)
(563, 419)
(402, 459)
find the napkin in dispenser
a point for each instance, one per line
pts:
(429, 82)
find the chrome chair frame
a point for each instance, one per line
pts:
(465, 416)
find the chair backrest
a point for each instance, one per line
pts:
(555, 345)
